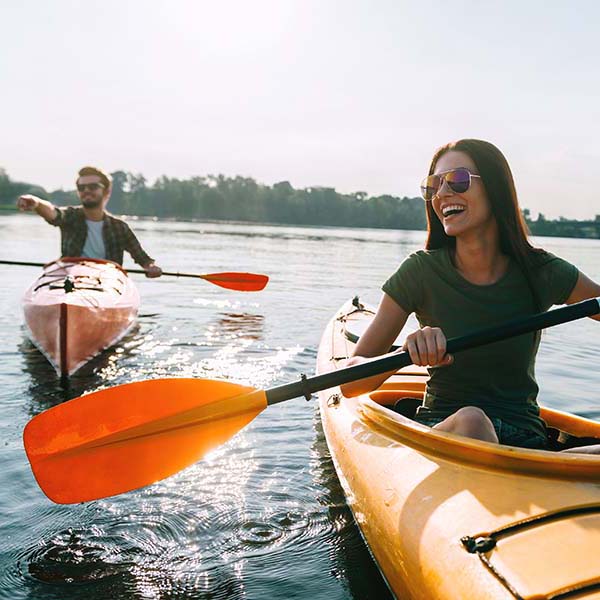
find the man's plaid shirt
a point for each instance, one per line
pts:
(116, 233)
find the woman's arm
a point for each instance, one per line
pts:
(375, 341)
(584, 288)
(426, 346)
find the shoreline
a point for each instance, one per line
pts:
(592, 228)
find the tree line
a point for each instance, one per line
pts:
(217, 197)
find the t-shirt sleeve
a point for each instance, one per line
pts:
(556, 280)
(405, 286)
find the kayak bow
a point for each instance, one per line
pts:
(78, 307)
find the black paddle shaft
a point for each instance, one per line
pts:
(170, 273)
(141, 271)
(38, 264)
(393, 362)
(22, 263)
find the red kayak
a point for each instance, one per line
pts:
(77, 308)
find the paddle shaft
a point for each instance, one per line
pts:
(142, 271)
(36, 264)
(22, 263)
(208, 277)
(169, 273)
(396, 361)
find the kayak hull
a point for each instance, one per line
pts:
(425, 500)
(77, 308)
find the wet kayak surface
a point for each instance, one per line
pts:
(264, 515)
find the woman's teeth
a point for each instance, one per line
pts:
(452, 209)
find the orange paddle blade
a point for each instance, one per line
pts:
(132, 435)
(242, 282)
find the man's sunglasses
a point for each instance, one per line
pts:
(458, 180)
(81, 187)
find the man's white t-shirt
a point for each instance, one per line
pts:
(94, 242)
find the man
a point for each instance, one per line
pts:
(89, 230)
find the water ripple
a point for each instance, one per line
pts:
(263, 515)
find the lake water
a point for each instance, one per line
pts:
(263, 516)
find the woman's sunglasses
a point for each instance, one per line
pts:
(81, 187)
(458, 180)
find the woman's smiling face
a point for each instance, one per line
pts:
(464, 212)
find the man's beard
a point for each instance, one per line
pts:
(91, 202)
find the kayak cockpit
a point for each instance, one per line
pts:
(394, 404)
(564, 429)
(389, 411)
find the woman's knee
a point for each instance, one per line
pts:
(471, 416)
(472, 421)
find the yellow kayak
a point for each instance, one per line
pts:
(451, 517)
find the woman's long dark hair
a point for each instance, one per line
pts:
(499, 185)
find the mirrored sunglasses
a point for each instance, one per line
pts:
(458, 180)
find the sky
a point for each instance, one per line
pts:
(355, 95)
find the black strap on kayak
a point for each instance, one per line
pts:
(358, 307)
(357, 303)
(48, 283)
(482, 544)
(71, 284)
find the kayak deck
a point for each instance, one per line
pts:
(77, 308)
(427, 502)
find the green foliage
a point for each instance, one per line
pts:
(216, 197)
(562, 227)
(11, 190)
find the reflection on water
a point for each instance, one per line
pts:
(46, 388)
(242, 325)
(214, 530)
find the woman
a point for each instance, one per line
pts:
(478, 269)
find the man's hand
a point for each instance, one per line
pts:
(153, 270)
(28, 202)
(42, 207)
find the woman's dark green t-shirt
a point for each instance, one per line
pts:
(499, 378)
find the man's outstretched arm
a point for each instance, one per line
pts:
(43, 208)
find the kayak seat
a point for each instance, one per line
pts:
(403, 401)
(562, 440)
(407, 407)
